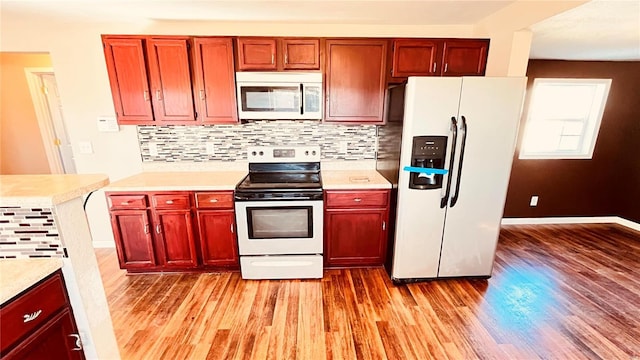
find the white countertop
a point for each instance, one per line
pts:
(185, 181)
(47, 190)
(17, 275)
(353, 179)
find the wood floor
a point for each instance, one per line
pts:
(557, 292)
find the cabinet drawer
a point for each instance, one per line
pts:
(170, 201)
(217, 200)
(32, 309)
(127, 201)
(351, 199)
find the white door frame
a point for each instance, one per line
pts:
(45, 123)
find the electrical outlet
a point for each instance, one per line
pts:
(344, 146)
(84, 147)
(153, 149)
(211, 150)
(534, 201)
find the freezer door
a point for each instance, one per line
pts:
(491, 107)
(430, 103)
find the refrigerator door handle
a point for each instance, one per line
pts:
(454, 130)
(454, 198)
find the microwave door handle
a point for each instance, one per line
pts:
(301, 99)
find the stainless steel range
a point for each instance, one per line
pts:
(279, 214)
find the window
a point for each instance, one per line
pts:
(564, 118)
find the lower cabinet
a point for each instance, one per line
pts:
(356, 227)
(157, 231)
(39, 324)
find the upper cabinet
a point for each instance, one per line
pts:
(128, 78)
(170, 75)
(214, 80)
(270, 54)
(439, 57)
(355, 80)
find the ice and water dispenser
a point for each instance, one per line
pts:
(427, 152)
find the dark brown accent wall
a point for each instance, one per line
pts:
(606, 185)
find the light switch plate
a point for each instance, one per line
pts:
(85, 147)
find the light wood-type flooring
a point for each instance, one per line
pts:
(557, 292)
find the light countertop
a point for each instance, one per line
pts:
(47, 190)
(16, 275)
(185, 181)
(353, 179)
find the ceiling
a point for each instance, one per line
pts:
(597, 30)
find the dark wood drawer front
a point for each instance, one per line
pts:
(352, 199)
(214, 200)
(171, 201)
(127, 201)
(32, 309)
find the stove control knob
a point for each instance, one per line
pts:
(253, 153)
(261, 153)
(306, 152)
(313, 153)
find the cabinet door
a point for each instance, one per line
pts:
(54, 340)
(355, 237)
(301, 54)
(170, 76)
(214, 83)
(133, 238)
(256, 54)
(217, 237)
(174, 238)
(355, 81)
(465, 57)
(128, 79)
(415, 57)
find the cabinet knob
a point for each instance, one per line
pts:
(213, 200)
(357, 199)
(169, 202)
(124, 203)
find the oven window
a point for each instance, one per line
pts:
(270, 98)
(280, 222)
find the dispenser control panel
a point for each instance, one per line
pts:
(427, 152)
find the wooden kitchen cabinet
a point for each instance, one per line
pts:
(153, 231)
(269, 54)
(356, 227)
(150, 79)
(355, 80)
(439, 57)
(216, 229)
(214, 82)
(127, 70)
(50, 332)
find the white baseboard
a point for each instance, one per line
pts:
(573, 220)
(103, 244)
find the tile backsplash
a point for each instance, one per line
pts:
(29, 233)
(229, 142)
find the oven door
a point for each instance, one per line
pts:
(279, 227)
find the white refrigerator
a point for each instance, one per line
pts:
(450, 229)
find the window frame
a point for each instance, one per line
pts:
(591, 125)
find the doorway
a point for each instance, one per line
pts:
(48, 108)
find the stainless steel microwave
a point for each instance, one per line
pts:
(279, 95)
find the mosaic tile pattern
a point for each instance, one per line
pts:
(29, 233)
(229, 142)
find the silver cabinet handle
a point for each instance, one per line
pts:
(213, 200)
(146, 228)
(434, 67)
(273, 58)
(78, 342)
(231, 228)
(201, 94)
(446, 66)
(286, 58)
(169, 202)
(146, 95)
(158, 229)
(30, 317)
(357, 199)
(384, 225)
(158, 95)
(124, 203)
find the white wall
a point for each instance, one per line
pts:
(79, 65)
